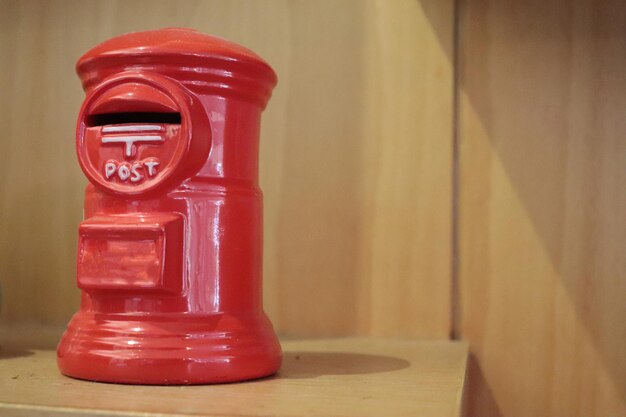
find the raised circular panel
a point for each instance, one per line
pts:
(141, 133)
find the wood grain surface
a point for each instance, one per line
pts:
(341, 377)
(355, 155)
(357, 168)
(543, 206)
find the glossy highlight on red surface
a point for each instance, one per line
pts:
(170, 250)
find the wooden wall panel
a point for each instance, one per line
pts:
(407, 172)
(355, 160)
(542, 206)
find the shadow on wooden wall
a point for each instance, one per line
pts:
(541, 204)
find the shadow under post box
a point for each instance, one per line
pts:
(302, 365)
(10, 353)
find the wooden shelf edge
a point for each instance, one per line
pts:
(343, 377)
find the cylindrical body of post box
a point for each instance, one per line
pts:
(170, 250)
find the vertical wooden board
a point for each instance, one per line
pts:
(317, 239)
(363, 240)
(542, 230)
(40, 184)
(355, 155)
(407, 171)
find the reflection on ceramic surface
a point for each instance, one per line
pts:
(169, 258)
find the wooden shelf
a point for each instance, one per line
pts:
(336, 377)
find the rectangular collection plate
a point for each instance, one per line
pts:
(130, 252)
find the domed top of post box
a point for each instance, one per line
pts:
(204, 64)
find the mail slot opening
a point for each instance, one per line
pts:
(133, 117)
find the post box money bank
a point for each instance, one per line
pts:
(170, 249)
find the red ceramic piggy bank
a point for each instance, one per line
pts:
(169, 253)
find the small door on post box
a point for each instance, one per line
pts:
(131, 252)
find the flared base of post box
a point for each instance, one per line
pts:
(168, 349)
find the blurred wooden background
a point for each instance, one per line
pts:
(431, 169)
